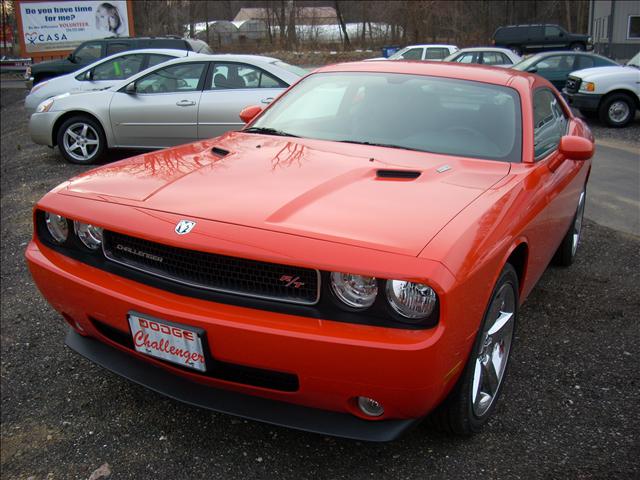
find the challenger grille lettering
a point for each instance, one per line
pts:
(139, 253)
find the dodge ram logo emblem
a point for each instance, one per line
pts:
(184, 226)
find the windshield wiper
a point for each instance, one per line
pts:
(268, 131)
(388, 145)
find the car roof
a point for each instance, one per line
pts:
(431, 45)
(479, 73)
(484, 49)
(567, 52)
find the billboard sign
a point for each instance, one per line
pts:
(63, 25)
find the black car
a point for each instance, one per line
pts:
(556, 66)
(539, 38)
(92, 50)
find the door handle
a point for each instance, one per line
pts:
(267, 100)
(185, 103)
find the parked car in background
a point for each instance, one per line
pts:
(90, 51)
(350, 262)
(101, 74)
(430, 52)
(556, 66)
(176, 102)
(497, 57)
(538, 38)
(613, 93)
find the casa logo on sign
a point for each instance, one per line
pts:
(184, 226)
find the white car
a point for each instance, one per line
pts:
(429, 52)
(179, 101)
(613, 93)
(101, 74)
(496, 57)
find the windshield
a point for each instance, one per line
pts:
(301, 72)
(635, 61)
(413, 112)
(526, 63)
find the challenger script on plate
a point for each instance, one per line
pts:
(167, 342)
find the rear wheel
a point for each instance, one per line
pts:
(617, 110)
(578, 47)
(566, 253)
(81, 140)
(473, 399)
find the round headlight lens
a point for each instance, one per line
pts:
(355, 291)
(88, 234)
(414, 301)
(58, 227)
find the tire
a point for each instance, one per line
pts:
(88, 136)
(566, 253)
(516, 49)
(578, 47)
(473, 399)
(617, 110)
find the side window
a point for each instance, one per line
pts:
(237, 75)
(465, 58)
(413, 54)
(88, 53)
(116, 47)
(582, 61)
(183, 77)
(118, 68)
(495, 58)
(436, 53)
(549, 122)
(553, 32)
(155, 59)
(556, 63)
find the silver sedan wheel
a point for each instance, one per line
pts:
(619, 111)
(81, 141)
(577, 225)
(494, 351)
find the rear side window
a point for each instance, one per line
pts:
(436, 53)
(549, 121)
(495, 58)
(412, 54)
(238, 75)
(551, 31)
(582, 61)
(89, 52)
(116, 47)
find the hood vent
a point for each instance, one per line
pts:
(398, 174)
(220, 152)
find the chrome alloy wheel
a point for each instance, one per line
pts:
(577, 225)
(81, 141)
(494, 350)
(619, 111)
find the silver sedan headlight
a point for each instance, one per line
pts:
(413, 301)
(45, 106)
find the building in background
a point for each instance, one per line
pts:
(614, 26)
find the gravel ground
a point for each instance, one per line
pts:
(570, 405)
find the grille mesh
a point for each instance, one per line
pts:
(573, 84)
(214, 272)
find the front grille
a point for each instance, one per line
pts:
(215, 272)
(573, 84)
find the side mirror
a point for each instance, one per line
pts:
(130, 88)
(71, 58)
(88, 75)
(249, 113)
(576, 148)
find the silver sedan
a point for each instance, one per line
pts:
(177, 102)
(493, 56)
(101, 74)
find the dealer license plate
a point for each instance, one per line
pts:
(167, 341)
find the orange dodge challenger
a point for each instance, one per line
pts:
(348, 263)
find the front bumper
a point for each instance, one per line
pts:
(408, 371)
(41, 127)
(583, 101)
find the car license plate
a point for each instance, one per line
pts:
(167, 341)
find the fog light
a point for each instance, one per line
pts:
(370, 407)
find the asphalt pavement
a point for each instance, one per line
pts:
(569, 409)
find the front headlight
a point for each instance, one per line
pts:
(89, 235)
(413, 301)
(587, 87)
(45, 106)
(58, 227)
(355, 291)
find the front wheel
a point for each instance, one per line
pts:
(617, 110)
(473, 399)
(81, 140)
(578, 47)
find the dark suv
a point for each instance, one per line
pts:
(539, 38)
(92, 50)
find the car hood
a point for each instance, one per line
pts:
(596, 72)
(324, 190)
